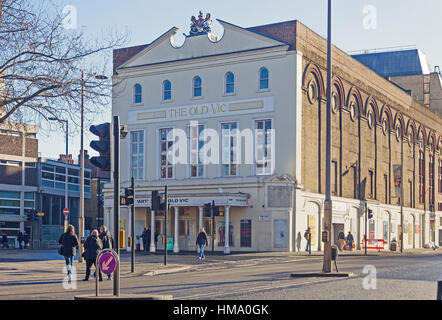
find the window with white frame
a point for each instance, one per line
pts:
(229, 148)
(167, 90)
(166, 143)
(263, 145)
(263, 79)
(137, 154)
(196, 143)
(230, 83)
(138, 94)
(197, 87)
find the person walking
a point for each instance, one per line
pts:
(108, 243)
(92, 247)
(69, 242)
(201, 242)
(350, 240)
(341, 239)
(5, 241)
(155, 239)
(308, 237)
(147, 239)
(20, 240)
(25, 240)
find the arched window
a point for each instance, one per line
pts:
(138, 93)
(197, 91)
(167, 90)
(230, 82)
(263, 79)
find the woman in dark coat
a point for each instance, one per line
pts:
(69, 242)
(92, 247)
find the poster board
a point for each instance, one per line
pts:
(311, 223)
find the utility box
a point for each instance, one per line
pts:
(393, 245)
(334, 252)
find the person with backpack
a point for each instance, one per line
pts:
(108, 243)
(201, 242)
(69, 242)
(92, 247)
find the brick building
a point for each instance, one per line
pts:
(270, 80)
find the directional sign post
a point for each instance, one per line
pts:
(107, 261)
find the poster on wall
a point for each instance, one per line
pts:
(280, 233)
(410, 234)
(397, 172)
(312, 225)
(371, 230)
(222, 232)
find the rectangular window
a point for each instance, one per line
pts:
(246, 233)
(334, 177)
(196, 143)
(263, 147)
(431, 179)
(137, 154)
(421, 177)
(410, 185)
(166, 143)
(440, 176)
(386, 187)
(371, 184)
(355, 182)
(229, 149)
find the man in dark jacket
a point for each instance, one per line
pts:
(146, 239)
(108, 243)
(5, 241)
(69, 242)
(201, 242)
(308, 237)
(92, 247)
(20, 240)
(350, 240)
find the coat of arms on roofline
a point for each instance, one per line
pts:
(200, 25)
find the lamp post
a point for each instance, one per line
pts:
(81, 219)
(66, 197)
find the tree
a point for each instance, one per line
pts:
(42, 62)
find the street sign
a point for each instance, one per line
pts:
(40, 214)
(107, 263)
(65, 211)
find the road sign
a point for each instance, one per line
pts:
(40, 214)
(107, 263)
(65, 211)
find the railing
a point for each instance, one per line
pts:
(373, 244)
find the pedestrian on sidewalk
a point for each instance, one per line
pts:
(92, 247)
(155, 239)
(108, 243)
(20, 240)
(26, 240)
(69, 242)
(308, 237)
(201, 242)
(341, 239)
(146, 235)
(350, 240)
(5, 241)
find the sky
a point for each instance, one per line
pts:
(356, 25)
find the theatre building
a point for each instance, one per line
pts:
(240, 120)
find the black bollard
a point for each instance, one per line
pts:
(439, 290)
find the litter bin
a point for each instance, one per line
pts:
(334, 253)
(393, 245)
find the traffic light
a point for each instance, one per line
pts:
(129, 195)
(370, 213)
(103, 146)
(31, 214)
(123, 201)
(216, 211)
(156, 201)
(207, 207)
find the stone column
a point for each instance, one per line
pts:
(152, 231)
(176, 247)
(226, 233)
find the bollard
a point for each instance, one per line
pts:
(439, 290)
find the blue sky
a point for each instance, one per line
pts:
(398, 23)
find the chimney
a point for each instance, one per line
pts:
(62, 158)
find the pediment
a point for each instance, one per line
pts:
(234, 39)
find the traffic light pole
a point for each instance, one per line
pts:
(132, 227)
(116, 135)
(166, 210)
